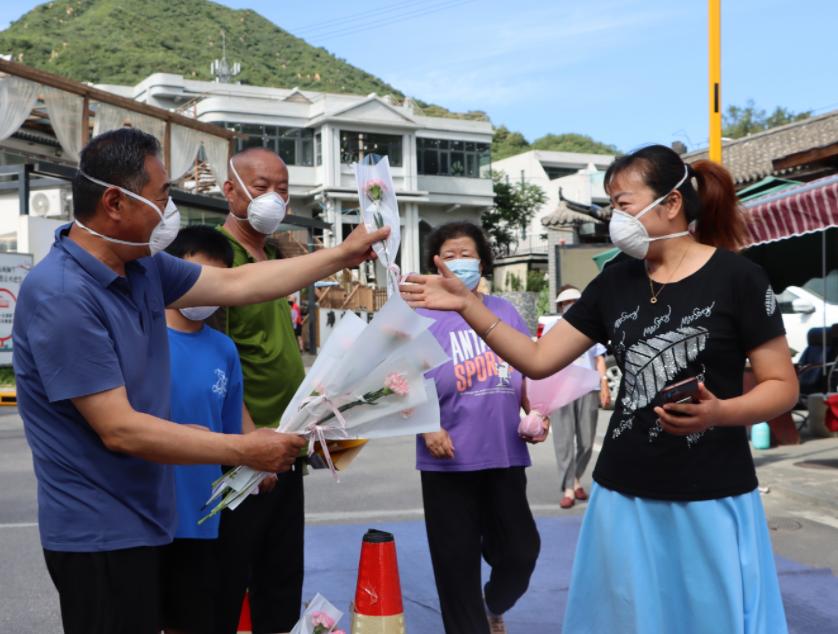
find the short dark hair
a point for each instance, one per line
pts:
(459, 229)
(202, 240)
(116, 157)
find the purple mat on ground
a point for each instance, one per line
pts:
(810, 595)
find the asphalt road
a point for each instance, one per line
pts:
(382, 485)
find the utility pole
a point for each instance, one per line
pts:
(714, 15)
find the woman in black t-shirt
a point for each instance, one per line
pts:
(675, 534)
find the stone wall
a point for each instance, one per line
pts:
(525, 303)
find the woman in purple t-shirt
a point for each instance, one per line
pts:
(473, 483)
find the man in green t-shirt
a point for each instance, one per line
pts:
(261, 542)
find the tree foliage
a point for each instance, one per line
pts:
(573, 143)
(508, 143)
(515, 204)
(738, 122)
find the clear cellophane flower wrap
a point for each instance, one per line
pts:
(549, 394)
(377, 201)
(368, 381)
(320, 617)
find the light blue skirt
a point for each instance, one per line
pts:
(651, 566)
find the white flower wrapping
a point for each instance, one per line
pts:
(377, 201)
(367, 382)
(319, 616)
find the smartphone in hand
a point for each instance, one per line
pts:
(685, 391)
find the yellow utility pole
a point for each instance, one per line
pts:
(715, 62)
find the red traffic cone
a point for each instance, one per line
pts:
(245, 624)
(378, 595)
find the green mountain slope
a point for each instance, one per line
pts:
(124, 41)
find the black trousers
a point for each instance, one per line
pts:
(110, 592)
(261, 548)
(471, 514)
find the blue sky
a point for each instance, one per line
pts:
(626, 72)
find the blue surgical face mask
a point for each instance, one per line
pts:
(467, 270)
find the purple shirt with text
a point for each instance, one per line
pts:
(479, 396)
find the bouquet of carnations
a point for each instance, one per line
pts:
(377, 201)
(320, 617)
(367, 382)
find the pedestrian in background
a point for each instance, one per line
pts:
(577, 420)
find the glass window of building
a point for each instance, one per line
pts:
(557, 172)
(356, 145)
(294, 145)
(318, 148)
(441, 157)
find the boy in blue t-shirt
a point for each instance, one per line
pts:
(207, 386)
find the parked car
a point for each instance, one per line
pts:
(804, 308)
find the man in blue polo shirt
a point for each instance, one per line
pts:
(92, 366)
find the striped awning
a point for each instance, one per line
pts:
(792, 212)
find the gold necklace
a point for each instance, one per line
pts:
(654, 298)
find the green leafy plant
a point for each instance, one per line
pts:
(515, 204)
(7, 375)
(513, 282)
(536, 281)
(543, 305)
(740, 121)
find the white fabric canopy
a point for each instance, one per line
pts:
(185, 145)
(217, 149)
(110, 117)
(65, 116)
(17, 98)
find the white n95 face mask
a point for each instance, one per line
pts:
(163, 234)
(198, 313)
(265, 212)
(630, 235)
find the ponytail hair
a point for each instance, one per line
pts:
(713, 208)
(720, 222)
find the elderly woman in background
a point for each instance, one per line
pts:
(473, 483)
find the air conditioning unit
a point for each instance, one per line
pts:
(47, 203)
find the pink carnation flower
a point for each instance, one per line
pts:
(533, 426)
(397, 383)
(375, 182)
(375, 189)
(322, 619)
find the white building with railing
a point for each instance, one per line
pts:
(562, 176)
(579, 177)
(440, 166)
